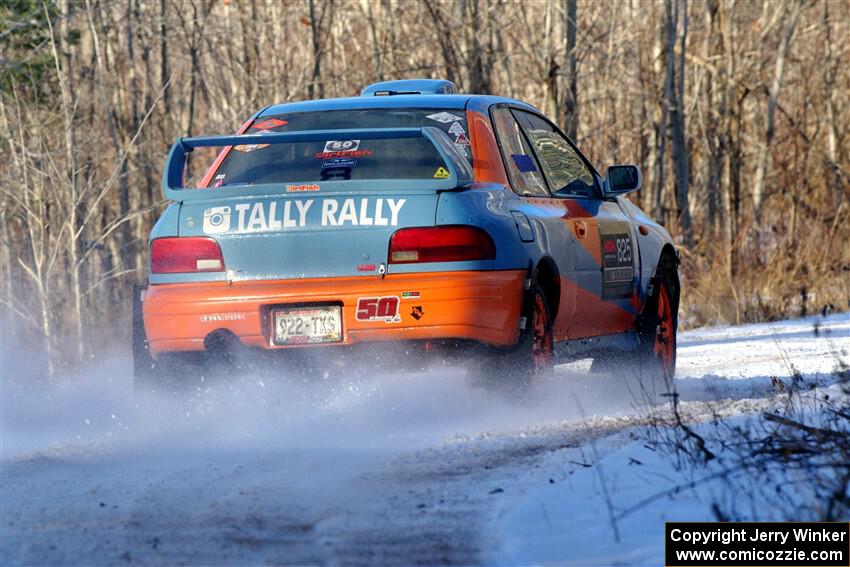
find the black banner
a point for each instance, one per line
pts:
(757, 544)
(617, 260)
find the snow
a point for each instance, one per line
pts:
(569, 523)
(406, 467)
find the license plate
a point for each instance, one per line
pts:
(307, 325)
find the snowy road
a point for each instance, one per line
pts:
(417, 468)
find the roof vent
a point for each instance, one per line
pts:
(410, 86)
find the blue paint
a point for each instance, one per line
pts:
(410, 86)
(524, 163)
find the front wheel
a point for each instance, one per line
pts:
(663, 333)
(657, 336)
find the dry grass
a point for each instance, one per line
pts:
(769, 276)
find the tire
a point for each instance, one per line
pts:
(656, 353)
(531, 360)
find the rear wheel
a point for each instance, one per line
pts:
(531, 360)
(541, 337)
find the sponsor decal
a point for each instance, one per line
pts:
(444, 117)
(457, 129)
(270, 123)
(617, 261)
(217, 220)
(524, 163)
(216, 317)
(301, 188)
(417, 312)
(460, 138)
(441, 173)
(284, 214)
(378, 309)
(410, 295)
(250, 147)
(366, 267)
(341, 146)
(219, 180)
(343, 154)
(340, 162)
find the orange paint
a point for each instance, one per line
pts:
(596, 316)
(487, 166)
(481, 306)
(205, 180)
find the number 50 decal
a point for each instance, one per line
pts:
(378, 309)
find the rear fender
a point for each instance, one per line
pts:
(169, 223)
(488, 206)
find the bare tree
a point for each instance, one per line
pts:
(715, 99)
(570, 112)
(792, 14)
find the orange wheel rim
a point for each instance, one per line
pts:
(663, 343)
(542, 349)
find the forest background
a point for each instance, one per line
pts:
(737, 112)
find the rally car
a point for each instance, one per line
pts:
(410, 216)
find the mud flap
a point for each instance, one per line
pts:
(143, 362)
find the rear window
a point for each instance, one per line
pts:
(341, 158)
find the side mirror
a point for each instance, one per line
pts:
(621, 179)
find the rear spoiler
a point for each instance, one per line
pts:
(460, 173)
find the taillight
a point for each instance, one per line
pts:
(440, 244)
(185, 255)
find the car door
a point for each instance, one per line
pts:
(535, 206)
(604, 271)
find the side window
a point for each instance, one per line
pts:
(566, 171)
(521, 164)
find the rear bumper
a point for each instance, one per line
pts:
(481, 306)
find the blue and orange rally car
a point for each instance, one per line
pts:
(411, 215)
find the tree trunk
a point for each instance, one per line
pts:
(316, 88)
(479, 76)
(830, 70)
(164, 73)
(75, 204)
(571, 99)
(680, 145)
(377, 55)
(668, 102)
(792, 15)
(715, 109)
(444, 38)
